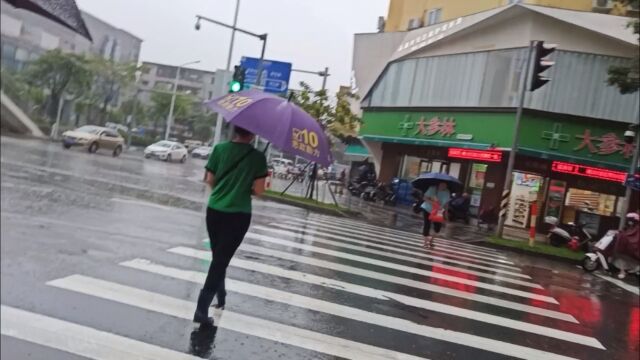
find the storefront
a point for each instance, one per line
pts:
(572, 167)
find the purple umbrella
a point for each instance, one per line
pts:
(281, 122)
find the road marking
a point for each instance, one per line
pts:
(361, 315)
(389, 265)
(444, 250)
(405, 235)
(259, 250)
(417, 252)
(157, 206)
(413, 240)
(386, 264)
(620, 283)
(249, 325)
(79, 340)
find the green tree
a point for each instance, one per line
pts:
(335, 117)
(110, 78)
(59, 74)
(627, 77)
(161, 103)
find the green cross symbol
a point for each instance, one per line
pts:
(555, 136)
(405, 126)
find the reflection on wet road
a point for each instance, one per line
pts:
(102, 258)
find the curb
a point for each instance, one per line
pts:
(487, 244)
(317, 209)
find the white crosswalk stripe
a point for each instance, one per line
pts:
(229, 320)
(79, 340)
(385, 239)
(415, 252)
(404, 235)
(411, 239)
(276, 295)
(456, 297)
(409, 269)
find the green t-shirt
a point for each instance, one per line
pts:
(233, 193)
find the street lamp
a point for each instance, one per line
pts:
(234, 28)
(323, 73)
(173, 97)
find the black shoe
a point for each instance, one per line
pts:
(201, 315)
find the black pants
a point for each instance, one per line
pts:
(427, 224)
(226, 232)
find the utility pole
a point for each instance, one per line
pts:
(514, 145)
(173, 97)
(629, 136)
(539, 51)
(234, 28)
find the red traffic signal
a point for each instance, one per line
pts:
(541, 63)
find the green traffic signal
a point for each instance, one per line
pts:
(235, 86)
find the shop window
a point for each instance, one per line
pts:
(586, 200)
(475, 186)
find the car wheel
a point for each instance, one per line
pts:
(147, 156)
(168, 159)
(117, 151)
(184, 159)
(93, 148)
(66, 146)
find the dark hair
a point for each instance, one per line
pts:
(242, 132)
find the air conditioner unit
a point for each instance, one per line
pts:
(381, 23)
(415, 23)
(602, 5)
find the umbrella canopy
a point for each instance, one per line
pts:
(426, 180)
(281, 122)
(64, 12)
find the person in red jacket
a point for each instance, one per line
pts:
(626, 255)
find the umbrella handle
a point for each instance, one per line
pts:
(290, 97)
(266, 148)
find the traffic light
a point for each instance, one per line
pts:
(541, 63)
(237, 83)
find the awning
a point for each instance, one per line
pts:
(356, 150)
(413, 141)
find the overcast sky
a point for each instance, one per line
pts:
(310, 34)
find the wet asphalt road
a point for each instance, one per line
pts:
(105, 256)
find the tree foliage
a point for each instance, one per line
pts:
(60, 74)
(110, 78)
(335, 117)
(627, 78)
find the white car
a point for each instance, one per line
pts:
(202, 152)
(166, 150)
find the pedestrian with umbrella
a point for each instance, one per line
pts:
(437, 189)
(236, 170)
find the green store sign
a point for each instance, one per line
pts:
(584, 140)
(588, 141)
(468, 130)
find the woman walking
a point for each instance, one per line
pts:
(235, 170)
(433, 209)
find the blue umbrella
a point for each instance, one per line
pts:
(426, 180)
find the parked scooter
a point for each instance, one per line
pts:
(600, 253)
(385, 194)
(571, 235)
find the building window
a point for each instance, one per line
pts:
(433, 16)
(213, 80)
(210, 94)
(144, 83)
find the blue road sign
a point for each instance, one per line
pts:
(275, 74)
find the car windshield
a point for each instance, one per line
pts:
(89, 129)
(164, 144)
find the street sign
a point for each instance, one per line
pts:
(275, 74)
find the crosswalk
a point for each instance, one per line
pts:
(332, 287)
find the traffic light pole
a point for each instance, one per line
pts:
(506, 193)
(632, 171)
